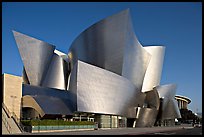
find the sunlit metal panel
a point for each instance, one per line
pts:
(169, 107)
(152, 99)
(36, 56)
(136, 60)
(171, 110)
(146, 117)
(101, 91)
(57, 75)
(52, 101)
(25, 77)
(166, 91)
(154, 69)
(102, 44)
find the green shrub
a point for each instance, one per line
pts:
(55, 122)
(26, 122)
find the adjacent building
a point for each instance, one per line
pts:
(182, 101)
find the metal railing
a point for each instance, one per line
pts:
(6, 110)
(6, 123)
(39, 128)
(18, 121)
(14, 117)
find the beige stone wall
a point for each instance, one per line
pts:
(12, 86)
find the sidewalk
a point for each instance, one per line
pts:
(116, 131)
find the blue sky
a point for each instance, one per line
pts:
(176, 25)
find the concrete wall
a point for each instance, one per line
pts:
(12, 93)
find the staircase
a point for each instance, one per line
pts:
(9, 123)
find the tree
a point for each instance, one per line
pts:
(188, 115)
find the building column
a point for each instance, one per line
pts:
(179, 104)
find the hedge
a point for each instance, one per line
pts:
(54, 122)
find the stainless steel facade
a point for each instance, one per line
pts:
(103, 43)
(50, 100)
(169, 107)
(36, 56)
(57, 74)
(146, 117)
(43, 65)
(154, 69)
(106, 71)
(104, 92)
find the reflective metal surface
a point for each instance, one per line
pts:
(36, 56)
(111, 44)
(146, 117)
(152, 99)
(101, 91)
(25, 77)
(53, 105)
(57, 73)
(103, 43)
(154, 69)
(170, 108)
(106, 71)
(52, 101)
(136, 60)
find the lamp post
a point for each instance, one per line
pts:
(13, 98)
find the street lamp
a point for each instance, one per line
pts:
(13, 98)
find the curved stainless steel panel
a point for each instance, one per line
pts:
(171, 110)
(112, 45)
(169, 107)
(176, 108)
(103, 43)
(36, 56)
(57, 74)
(152, 99)
(146, 117)
(46, 104)
(61, 54)
(53, 105)
(45, 95)
(154, 69)
(73, 79)
(101, 91)
(166, 91)
(25, 77)
(136, 60)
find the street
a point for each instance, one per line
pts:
(185, 131)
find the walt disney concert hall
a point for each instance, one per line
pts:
(106, 76)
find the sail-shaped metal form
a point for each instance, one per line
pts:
(154, 69)
(169, 107)
(103, 43)
(57, 74)
(36, 56)
(50, 100)
(135, 62)
(112, 45)
(102, 91)
(146, 116)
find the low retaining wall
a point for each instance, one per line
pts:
(62, 128)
